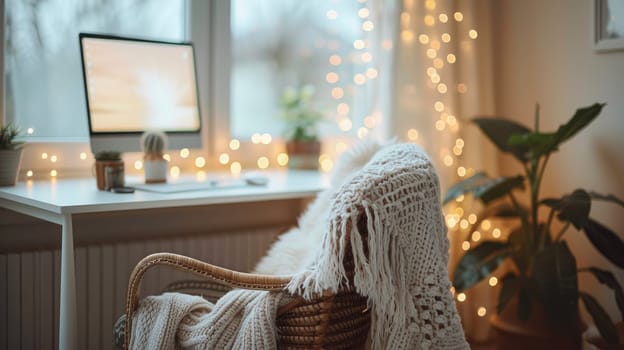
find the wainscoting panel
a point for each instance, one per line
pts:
(29, 283)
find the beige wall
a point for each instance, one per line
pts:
(544, 53)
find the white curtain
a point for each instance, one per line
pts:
(442, 79)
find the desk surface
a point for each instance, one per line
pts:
(75, 196)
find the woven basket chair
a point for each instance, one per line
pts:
(338, 320)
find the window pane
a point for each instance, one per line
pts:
(292, 43)
(44, 87)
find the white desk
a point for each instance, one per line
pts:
(57, 200)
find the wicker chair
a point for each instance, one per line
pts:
(330, 321)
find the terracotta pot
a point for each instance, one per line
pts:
(100, 171)
(10, 160)
(303, 155)
(536, 333)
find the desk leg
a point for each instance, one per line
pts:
(68, 325)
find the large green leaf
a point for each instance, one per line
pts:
(524, 303)
(466, 186)
(479, 263)
(554, 272)
(521, 252)
(498, 187)
(607, 197)
(601, 318)
(499, 131)
(572, 207)
(607, 278)
(606, 241)
(501, 210)
(509, 287)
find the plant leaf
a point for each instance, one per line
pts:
(606, 241)
(521, 254)
(607, 278)
(554, 272)
(572, 207)
(499, 131)
(479, 263)
(509, 286)
(498, 187)
(524, 304)
(601, 318)
(465, 186)
(608, 197)
(581, 118)
(502, 210)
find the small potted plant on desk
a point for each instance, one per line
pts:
(539, 295)
(154, 144)
(10, 154)
(107, 161)
(302, 141)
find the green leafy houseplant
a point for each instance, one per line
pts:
(10, 154)
(8, 133)
(543, 268)
(299, 114)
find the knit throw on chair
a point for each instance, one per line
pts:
(404, 274)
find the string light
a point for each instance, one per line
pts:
(496, 233)
(367, 57)
(443, 18)
(53, 173)
(234, 144)
(138, 165)
(30, 131)
(465, 245)
(263, 162)
(472, 218)
(363, 12)
(335, 60)
(83, 156)
(184, 153)
(476, 236)
(266, 139)
(29, 173)
(200, 162)
(44, 155)
(224, 158)
(235, 168)
(256, 138)
(167, 157)
(461, 297)
(458, 16)
(412, 134)
(486, 224)
(450, 58)
(473, 34)
(331, 14)
(282, 159)
(332, 77)
(493, 281)
(446, 37)
(174, 171)
(53, 159)
(482, 311)
(368, 26)
(423, 39)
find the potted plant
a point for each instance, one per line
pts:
(302, 140)
(107, 160)
(10, 154)
(543, 271)
(154, 144)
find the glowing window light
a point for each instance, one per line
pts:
(335, 60)
(496, 233)
(407, 36)
(431, 71)
(263, 162)
(167, 157)
(461, 171)
(482, 311)
(430, 4)
(53, 173)
(363, 12)
(472, 218)
(435, 44)
(446, 37)
(138, 165)
(266, 139)
(327, 165)
(476, 236)
(174, 171)
(442, 88)
(438, 63)
(185, 152)
(369, 122)
(486, 224)
(345, 124)
(429, 20)
(53, 159)
(443, 18)
(435, 79)
(473, 34)
(331, 14)
(359, 79)
(465, 245)
(423, 39)
(438, 106)
(367, 57)
(282, 159)
(450, 58)
(362, 132)
(461, 297)
(464, 224)
(431, 53)
(368, 26)
(331, 77)
(44, 155)
(337, 93)
(234, 144)
(448, 161)
(256, 138)
(235, 168)
(200, 162)
(493, 281)
(343, 108)
(440, 125)
(29, 173)
(224, 158)
(83, 156)
(359, 44)
(30, 131)
(458, 16)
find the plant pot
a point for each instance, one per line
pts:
(10, 160)
(536, 333)
(117, 166)
(303, 155)
(155, 171)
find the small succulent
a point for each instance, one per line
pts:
(299, 114)
(153, 144)
(107, 156)
(8, 133)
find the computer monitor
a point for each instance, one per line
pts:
(133, 85)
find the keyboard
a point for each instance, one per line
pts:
(189, 186)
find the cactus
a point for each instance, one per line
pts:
(153, 144)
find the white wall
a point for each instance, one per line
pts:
(544, 53)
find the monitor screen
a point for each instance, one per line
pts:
(133, 85)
